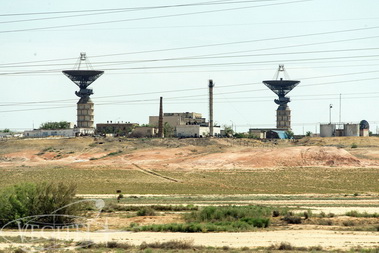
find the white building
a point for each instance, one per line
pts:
(195, 131)
(71, 132)
(344, 129)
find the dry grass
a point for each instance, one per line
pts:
(279, 181)
(289, 180)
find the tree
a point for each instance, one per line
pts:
(228, 130)
(309, 133)
(6, 130)
(41, 200)
(55, 125)
(289, 134)
(168, 130)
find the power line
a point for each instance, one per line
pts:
(129, 8)
(205, 65)
(214, 45)
(204, 57)
(84, 13)
(190, 96)
(146, 18)
(203, 88)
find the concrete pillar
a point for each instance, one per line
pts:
(85, 113)
(283, 117)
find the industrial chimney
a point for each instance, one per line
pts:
(211, 85)
(160, 121)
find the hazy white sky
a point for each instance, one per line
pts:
(153, 48)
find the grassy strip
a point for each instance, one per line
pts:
(231, 213)
(232, 226)
(112, 207)
(216, 219)
(362, 215)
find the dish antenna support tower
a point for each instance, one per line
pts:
(83, 79)
(281, 88)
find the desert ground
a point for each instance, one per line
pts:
(327, 176)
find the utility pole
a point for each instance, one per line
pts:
(330, 113)
(340, 108)
(211, 85)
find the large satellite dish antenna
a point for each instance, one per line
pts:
(281, 88)
(84, 78)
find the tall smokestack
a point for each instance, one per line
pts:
(160, 121)
(211, 85)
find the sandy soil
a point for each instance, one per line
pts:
(299, 238)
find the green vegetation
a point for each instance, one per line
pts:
(28, 199)
(173, 208)
(228, 130)
(146, 211)
(229, 213)
(168, 130)
(6, 130)
(55, 125)
(289, 134)
(245, 135)
(212, 219)
(362, 215)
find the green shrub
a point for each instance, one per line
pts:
(285, 246)
(173, 244)
(146, 211)
(29, 199)
(290, 219)
(348, 223)
(228, 213)
(118, 245)
(363, 215)
(325, 222)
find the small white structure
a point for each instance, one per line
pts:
(346, 129)
(145, 131)
(328, 130)
(195, 131)
(351, 129)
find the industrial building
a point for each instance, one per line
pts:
(268, 133)
(179, 118)
(345, 129)
(186, 124)
(195, 131)
(144, 131)
(122, 129)
(70, 132)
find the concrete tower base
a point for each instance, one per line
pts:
(85, 113)
(283, 117)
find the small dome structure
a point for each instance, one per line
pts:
(364, 125)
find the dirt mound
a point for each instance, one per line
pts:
(187, 154)
(271, 157)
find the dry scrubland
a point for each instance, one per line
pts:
(196, 166)
(319, 180)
